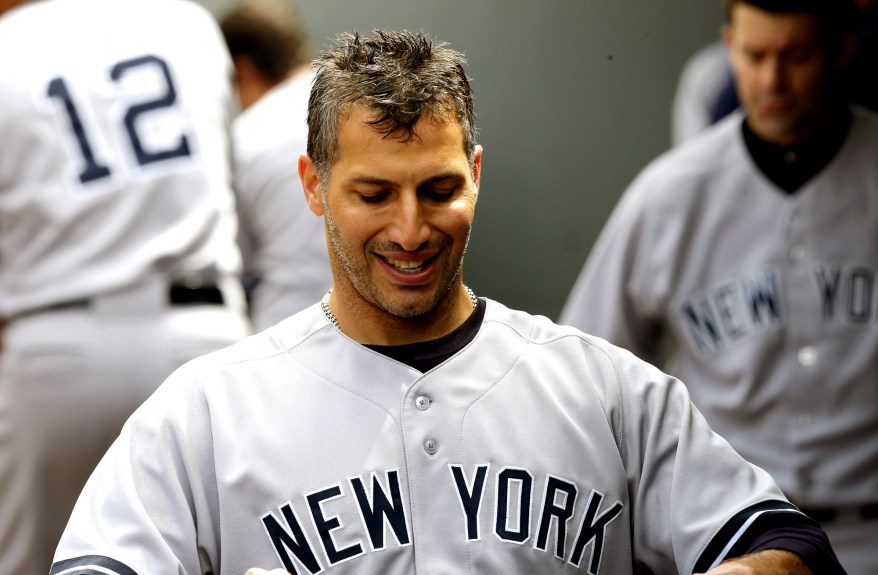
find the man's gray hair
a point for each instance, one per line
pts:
(400, 76)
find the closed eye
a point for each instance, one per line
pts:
(374, 197)
(442, 188)
(439, 194)
(754, 56)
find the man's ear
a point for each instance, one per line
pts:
(311, 184)
(477, 169)
(726, 34)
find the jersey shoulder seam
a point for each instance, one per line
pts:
(619, 429)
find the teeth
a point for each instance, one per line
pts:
(405, 265)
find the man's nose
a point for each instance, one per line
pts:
(773, 75)
(409, 228)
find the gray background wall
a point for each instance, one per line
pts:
(573, 98)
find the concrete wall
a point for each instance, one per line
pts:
(573, 98)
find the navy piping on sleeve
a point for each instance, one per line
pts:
(771, 525)
(91, 565)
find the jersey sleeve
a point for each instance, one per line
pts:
(685, 482)
(610, 298)
(772, 525)
(139, 510)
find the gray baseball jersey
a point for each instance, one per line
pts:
(115, 160)
(769, 300)
(115, 199)
(282, 243)
(534, 449)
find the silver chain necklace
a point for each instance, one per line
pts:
(324, 304)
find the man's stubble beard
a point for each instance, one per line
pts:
(357, 275)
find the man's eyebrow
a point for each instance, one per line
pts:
(383, 182)
(372, 181)
(456, 176)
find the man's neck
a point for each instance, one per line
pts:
(368, 324)
(424, 356)
(790, 165)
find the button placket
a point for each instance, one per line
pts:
(798, 252)
(431, 445)
(423, 403)
(807, 356)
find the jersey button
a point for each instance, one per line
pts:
(797, 253)
(423, 402)
(807, 356)
(431, 446)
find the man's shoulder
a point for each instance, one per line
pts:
(707, 150)
(586, 359)
(540, 329)
(708, 156)
(524, 323)
(267, 345)
(276, 123)
(864, 122)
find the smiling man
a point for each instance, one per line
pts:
(404, 425)
(398, 218)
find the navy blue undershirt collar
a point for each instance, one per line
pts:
(425, 355)
(790, 167)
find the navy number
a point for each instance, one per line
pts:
(93, 169)
(165, 101)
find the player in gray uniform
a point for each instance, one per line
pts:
(282, 243)
(706, 92)
(118, 260)
(749, 256)
(404, 425)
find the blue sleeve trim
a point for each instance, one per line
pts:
(771, 525)
(91, 565)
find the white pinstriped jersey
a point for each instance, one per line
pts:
(770, 300)
(115, 159)
(283, 244)
(535, 449)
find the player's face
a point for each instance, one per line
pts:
(399, 214)
(782, 69)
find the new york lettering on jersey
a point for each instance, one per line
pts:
(305, 532)
(748, 305)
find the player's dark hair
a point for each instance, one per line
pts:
(269, 33)
(835, 17)
(401, 76)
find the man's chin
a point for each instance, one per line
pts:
(409, 306)
(775, 129)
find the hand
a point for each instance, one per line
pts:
(255, 571)
(768, 562)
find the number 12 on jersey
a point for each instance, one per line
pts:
(90, 167)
